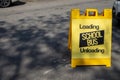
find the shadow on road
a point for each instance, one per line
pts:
(35, 45)
(41, 45)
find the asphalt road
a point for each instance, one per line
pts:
(34, 37)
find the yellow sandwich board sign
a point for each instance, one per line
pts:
(90, 37)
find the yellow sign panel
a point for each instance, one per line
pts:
(90, 37)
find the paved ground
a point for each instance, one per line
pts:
(33, 42)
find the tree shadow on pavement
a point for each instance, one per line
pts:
(36, 48)
(30, 45)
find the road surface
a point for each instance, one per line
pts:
(33, 42)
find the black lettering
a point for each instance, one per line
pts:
(88, 50)
(91, 26)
